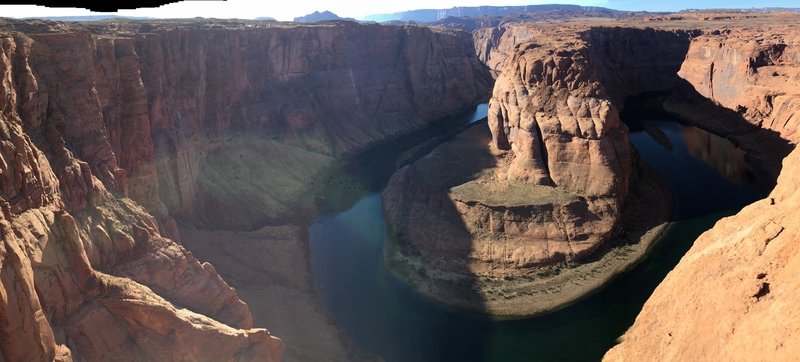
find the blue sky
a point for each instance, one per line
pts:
(674, 5)
(286, 10)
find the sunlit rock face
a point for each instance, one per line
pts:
(548, 184)
(733, 295)
(108, 132)
(750, 72)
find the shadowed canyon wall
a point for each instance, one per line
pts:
(106, 125)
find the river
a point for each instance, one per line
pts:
(709, 179)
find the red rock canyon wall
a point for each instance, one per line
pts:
(733, 295)
(104, 126)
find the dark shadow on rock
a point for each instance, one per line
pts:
(368, 170)
(424, 224)
(429, 246)
(346, 203)
(764, 148)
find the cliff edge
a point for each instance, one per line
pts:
(733, 295)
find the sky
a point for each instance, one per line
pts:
(288, 9)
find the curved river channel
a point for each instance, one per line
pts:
(384, 318)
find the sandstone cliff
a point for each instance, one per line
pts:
(745, 89)
(220, 125)
(495, 45)
(85, 273)
(752, 73)
(733, 295)
(551, 187)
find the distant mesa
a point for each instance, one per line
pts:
(88, 18)
(266, 18)
(320, 16)
(433, 15)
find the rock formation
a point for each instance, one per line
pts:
(551, 187)
(733, 295)
(112, 131)
(495, 45)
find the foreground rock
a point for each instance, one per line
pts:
(733, 295)
(109, 132)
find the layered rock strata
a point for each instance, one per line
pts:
(750, 78)
(111, 131)
(550, 188)
(495, 45)
(737, 285)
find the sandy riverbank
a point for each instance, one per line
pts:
(268, 269)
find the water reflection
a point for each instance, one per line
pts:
(383, 317)
(719, 153)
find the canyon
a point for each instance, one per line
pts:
(124, 144)
(550, 189)
(158, 180)
(730, 296)
(514, 221)
(738, 277)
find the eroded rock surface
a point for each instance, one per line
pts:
(112, 131)
(733, 295)
(550, 186)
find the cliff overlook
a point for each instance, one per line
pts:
(112, 131)
(512, 230)
(738, 277)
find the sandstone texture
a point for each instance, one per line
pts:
(495, 45)
(86, 275)
(751, 72)
(550, 187)
(733, 295)
(113, 131)
(746, 90)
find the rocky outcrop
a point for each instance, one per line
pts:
(556, 109)
(753, 74)
(85, 273)
(551, 187)
(741, 85)
(495, 45)
(736, 289)
(111, 131)
(552, 111)
(732, 296)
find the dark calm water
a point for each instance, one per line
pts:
(384, 318)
